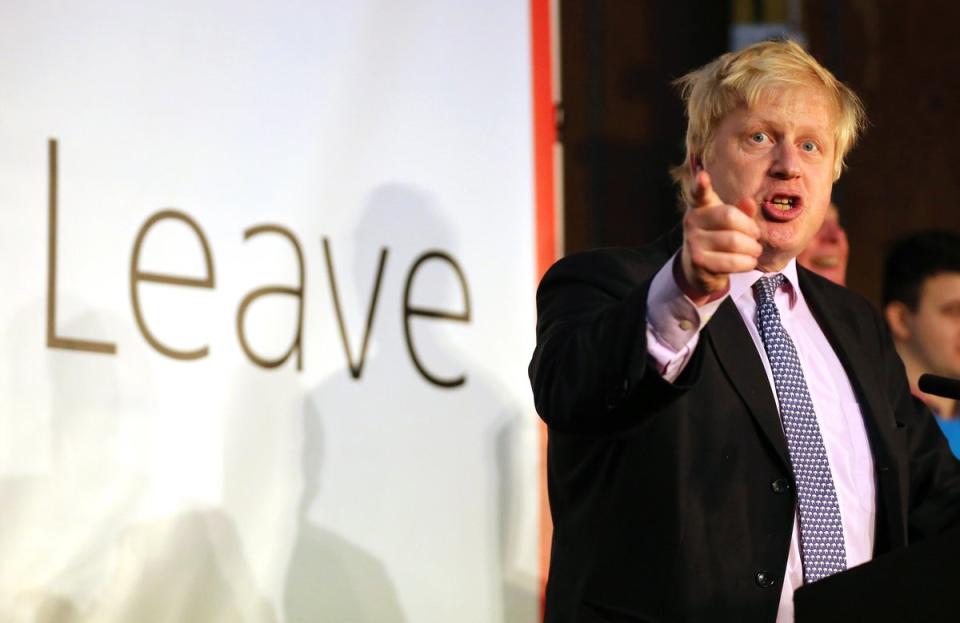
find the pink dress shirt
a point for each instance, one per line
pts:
(673, 330)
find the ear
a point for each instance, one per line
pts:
(898, 319)
(696, 164)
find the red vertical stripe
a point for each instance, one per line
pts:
(544, 137)
(544, 134)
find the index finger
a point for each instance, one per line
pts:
(703, 193)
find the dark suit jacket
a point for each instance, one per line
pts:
(674, 502)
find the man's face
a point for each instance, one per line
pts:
(934, 329)
(779, 153)
(829, 250)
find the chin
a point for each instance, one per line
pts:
(783, 245)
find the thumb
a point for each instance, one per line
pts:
(748, 206)
(703, 194)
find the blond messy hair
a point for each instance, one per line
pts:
(739, 79)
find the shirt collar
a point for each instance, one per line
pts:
(742, 283)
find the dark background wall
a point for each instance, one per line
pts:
(623, 123)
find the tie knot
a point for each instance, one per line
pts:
(767, 286)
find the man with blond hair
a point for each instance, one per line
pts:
(725, 426)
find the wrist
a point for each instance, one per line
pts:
(698, 298)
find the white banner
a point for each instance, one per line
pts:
(267, 273)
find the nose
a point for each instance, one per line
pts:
(831, 230)
(786, 162)
(839, 236)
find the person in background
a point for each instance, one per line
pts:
(828, 251)
(921, 303)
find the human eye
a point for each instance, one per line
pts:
(758, 137)
(809, 146)
(952, 309)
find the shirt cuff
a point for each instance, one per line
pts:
(671, 316)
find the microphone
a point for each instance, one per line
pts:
(940, 386)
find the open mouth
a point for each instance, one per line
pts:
(783, 203)
(782, 207)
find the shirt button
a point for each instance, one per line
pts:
(780, 485)
(764, 579)
(686, 325)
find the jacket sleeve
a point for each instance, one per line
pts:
(590, 370)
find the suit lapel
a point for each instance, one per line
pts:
(739, 359)
(878, 420)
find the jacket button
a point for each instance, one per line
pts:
(780, 485)
(764, 579)
(617, 393)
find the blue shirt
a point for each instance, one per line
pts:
(951, 430)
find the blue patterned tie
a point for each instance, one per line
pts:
(821, 533)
